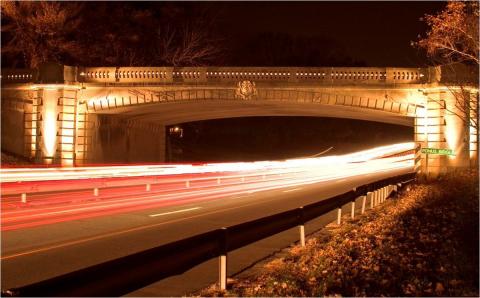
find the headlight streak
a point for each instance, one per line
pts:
(48, 209)
(32, 174)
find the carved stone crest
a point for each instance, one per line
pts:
(246, 90)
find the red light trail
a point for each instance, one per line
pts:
(63, 194)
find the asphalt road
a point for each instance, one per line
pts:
(40, 252)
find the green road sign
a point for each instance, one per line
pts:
(437, 151)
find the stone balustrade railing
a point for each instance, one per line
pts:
(165, 75)
(337, 75)
(24, 75)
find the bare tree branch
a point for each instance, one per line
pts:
(452, 40)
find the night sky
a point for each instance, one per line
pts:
(377, 33)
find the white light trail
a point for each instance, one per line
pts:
(321, 164)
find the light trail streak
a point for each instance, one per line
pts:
(32, 174)
(169, 187)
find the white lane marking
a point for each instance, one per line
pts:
(172, 212)
(289, 190)
(238, 197)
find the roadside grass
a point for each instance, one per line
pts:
(423, 242)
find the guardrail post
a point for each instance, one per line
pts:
(372, 199)
(218, 180)
(353, 209)
(301, 227)
(339, 215)
(222, 260)
(243, 179)
(24, 198)
(187, 183)
(370, 196)
(223, 272)
(148, 187)
(302, 235)
(95, 191)
(364, 202)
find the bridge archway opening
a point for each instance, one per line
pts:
(276, 137)
(144, 124)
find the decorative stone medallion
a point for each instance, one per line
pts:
(246, 90)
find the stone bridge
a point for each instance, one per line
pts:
(79, 115)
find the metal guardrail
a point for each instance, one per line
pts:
(124, 275)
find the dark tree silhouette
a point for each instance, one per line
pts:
(117, 34)
(281, 49)
(187, 36)
(108, 34)
(36, 32)
(452, 40)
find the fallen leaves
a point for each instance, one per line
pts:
(439, 289)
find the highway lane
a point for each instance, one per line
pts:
(37, 253)
(124, 200)
(57, 233)
(42, 209)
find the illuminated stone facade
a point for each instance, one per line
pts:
(75, 115)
